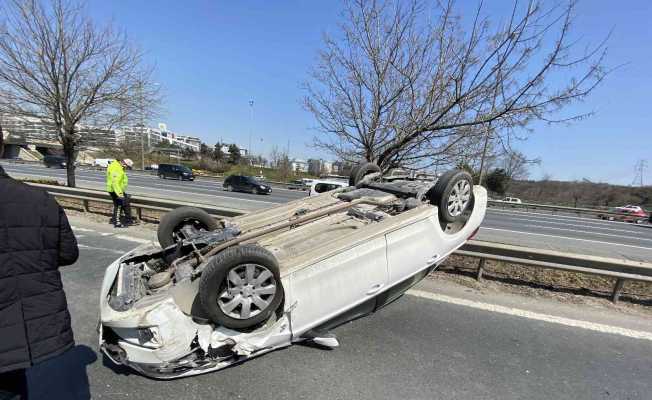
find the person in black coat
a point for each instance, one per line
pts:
(35, 240)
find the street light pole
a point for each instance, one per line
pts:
(251, 126)
(142, 127)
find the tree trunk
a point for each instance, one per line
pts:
(70, 153)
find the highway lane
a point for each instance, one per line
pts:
(415, 348)
(567, 233)
(207, 191)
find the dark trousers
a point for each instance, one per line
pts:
(13, 385)
(118, 205)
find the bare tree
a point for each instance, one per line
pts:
(58, 66)
(516, 165)
(395, 88)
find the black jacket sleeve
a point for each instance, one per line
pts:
(68, 250)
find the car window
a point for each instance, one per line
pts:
(325, 187)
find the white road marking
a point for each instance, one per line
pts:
(76, 228)
(132, 239)
(536, 219)
(564, 237)
(592, 326)
(589, 232)
(558, 217)
(86, 247)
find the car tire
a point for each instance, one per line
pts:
(228, 293)
(362, 171)
(178, 223)
(353, 174)
(452, 194)
(228, 188)
(254, 191)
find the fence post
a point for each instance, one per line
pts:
(481, 264)
(85, 205)
(139, 212)
(618, 289)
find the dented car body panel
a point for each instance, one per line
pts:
(328, 267)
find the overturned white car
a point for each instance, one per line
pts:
(217, 293)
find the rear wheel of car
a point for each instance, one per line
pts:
(228, 188)
(353, 174)
(241, 287)
(452, 194)
(362, 171)
(184, 223)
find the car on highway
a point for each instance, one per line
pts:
(298, 184)
(242, 183)
(514, 200)
(175, 171)
(213, 293)
(54, 161)
(627, 213)
(319, 186)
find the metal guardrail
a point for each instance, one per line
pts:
(621, 269)
(139, 203)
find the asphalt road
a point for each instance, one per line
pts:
(536, 229)
(416, 348)
(202, 190)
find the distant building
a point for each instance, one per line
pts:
(314, 166)
(299, 165)
(155, 136)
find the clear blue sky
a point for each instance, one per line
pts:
(213, 56)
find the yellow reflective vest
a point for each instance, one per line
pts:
(116, 179)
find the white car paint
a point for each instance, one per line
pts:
(316, 290)
(316, 186)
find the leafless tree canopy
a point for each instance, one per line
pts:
(58, 66)
(400, 85)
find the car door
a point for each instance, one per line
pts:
(412, 248)
(335, 285)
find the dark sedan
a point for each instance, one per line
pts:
(240, 183)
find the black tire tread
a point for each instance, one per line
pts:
(441, 189)
(217, 270)
(365, 169)
(172, 219)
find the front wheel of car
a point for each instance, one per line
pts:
(241, 287)
(452, 194)
(184, 223)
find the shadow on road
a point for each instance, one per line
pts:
(63, 377)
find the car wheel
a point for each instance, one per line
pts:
(184, 223)
(228, 188)
(160, 176)
(353, 174)
(362, 171)
(254, 191)
(241, 287)
(452, 194)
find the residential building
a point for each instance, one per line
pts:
(299, 165)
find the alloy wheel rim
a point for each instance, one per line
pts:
(459, 198)
(250, 289)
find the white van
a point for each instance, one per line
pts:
(515, 200)
(102, 162)
(319, 186)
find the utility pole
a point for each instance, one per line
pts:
(142, 126)
(251, 126)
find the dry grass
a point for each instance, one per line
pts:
(564, 286)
